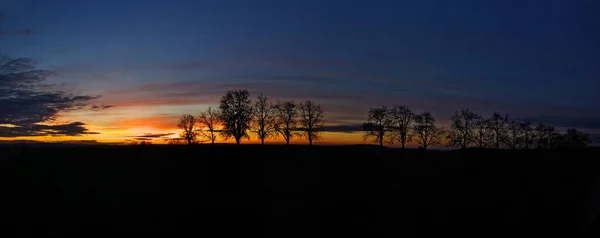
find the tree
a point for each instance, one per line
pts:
(462, 129)
(210, 119)
(513, 134)
(482, 133)
(311, 120)
(286, 115)
(545, 136)
(236, 114)
(175, 141)
(574, 139)
(526, 134)
(187, 123)
(402, 120)
(498, 128)
(264, 118)
(426, 132)
(378, 124)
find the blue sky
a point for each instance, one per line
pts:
(531, 59)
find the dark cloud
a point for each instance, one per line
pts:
(150, 135)
(100, 107)
(71, 129)
(143, 139)
(29, 107)
(344, 128)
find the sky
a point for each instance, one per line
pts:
(148, 62)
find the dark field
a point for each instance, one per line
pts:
(280, 191)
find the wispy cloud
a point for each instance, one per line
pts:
(100, 107)
(156, 135)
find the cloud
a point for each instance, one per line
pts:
(143, 139)
(100, 107)
(344, 128)
(70, 129)
(151, 135)
(28, 106)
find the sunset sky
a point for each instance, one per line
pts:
(152, 61)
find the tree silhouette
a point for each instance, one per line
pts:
(286, 115)
(210, 119)
(527, 136)
(236, 114)
(574, 139)
(426, 132)
(545, 136)
(482, 132)
(402, 120)
(187, 123)
(175, 141)
(264, 118)
(498, 129)
(378, 124)
(311, 120)
(513, 134)
(462, 128)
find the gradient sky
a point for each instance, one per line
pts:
(155, 60)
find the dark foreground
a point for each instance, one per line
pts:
(280, 191)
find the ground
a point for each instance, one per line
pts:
(283, 191)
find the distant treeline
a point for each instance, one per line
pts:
(238, 116)
(398, 124)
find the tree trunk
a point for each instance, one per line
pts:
(262, 141)
(237, 141)
(309, 142)
(402, 146)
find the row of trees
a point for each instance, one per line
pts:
(238, 116)
(398, 124)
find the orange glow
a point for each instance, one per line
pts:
(130, 122)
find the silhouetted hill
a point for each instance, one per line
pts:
(283, 191)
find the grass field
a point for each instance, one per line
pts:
(284, 191)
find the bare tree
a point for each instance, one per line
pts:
(574, 139)
(175, 141)
(264, 118)
(187, 123)
(462, 129)
(286, 118)
(545, 136)
(402, 120)
(378, 124)
(210, 119)
(513, 134)
(527, 135)
(482, 133)
(498, 129)
(311, 120)
(426, 132)
(236, 114)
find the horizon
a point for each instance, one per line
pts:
(140, 65)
